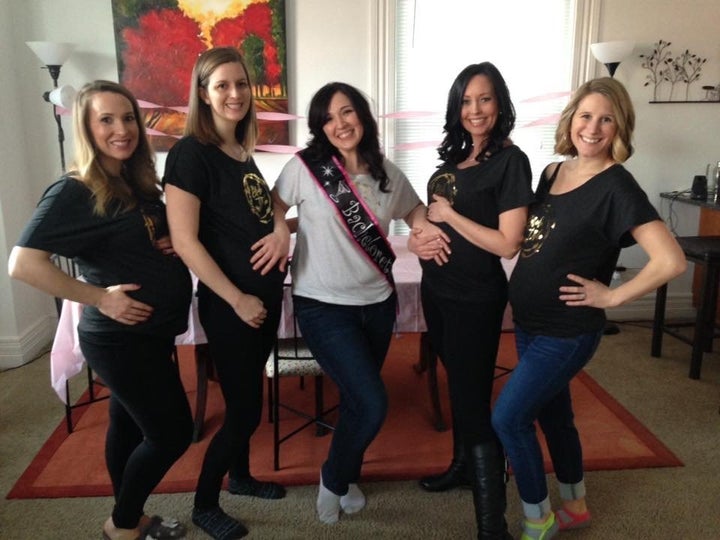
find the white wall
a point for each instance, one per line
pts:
(327, 40)
(329, 37)
(673, 142)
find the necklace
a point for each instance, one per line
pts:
(236, 152)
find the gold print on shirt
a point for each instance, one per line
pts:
(540, 224)
(150, 221)
(257, 195)
(443, 185)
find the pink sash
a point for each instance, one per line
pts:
(359, 220)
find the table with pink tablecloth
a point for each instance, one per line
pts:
(66, 359)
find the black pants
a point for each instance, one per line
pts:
(466, 336)
(150, 421)
(239, 353)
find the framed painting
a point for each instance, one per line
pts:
(157, 42)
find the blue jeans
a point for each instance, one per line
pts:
(350, 343)
(539, 388)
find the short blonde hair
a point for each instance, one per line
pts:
(138, 170)
(199, 119)
(623, 110)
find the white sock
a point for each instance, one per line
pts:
(328, 505)
(353, 501)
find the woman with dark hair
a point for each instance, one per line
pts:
(221, 221)
(346, 194)
(587, 209)
(106, 214)
(478, 197)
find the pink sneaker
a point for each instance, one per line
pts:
(568, 520)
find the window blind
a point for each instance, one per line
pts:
(531, 43)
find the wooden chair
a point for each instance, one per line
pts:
(292, 358)
(428, 362)
(704, 251)
(205, 372)
(70, 268)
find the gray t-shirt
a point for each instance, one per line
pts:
(327, 264)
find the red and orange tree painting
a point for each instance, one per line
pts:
(157, 42)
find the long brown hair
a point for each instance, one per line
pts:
(199, 119)
(138, 171)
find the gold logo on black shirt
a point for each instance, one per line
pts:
(539, 225)
(258, 197)
(443, 185)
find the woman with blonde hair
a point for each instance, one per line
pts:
(106, 214)
(587, 209)
(221, 220)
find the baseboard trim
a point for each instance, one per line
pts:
(19, 350)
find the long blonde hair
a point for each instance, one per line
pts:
(199, 119)
(139, 174)
(623, 110)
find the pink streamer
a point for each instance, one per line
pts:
(547, 120)
(417, 145)
(278, 148)
(276, 116)
(409, 114)
(546, 97)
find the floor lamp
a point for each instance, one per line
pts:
(53, 56)
(611, 53)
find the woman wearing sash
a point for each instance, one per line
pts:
(221, 222)
(346, 194)
(479, 197)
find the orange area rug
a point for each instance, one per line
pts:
(407, 447)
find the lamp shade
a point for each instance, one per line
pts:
(51, 53)
(609, 52)
(63, 96)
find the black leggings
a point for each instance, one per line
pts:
(150, 421)
(466, 337)
(239, 353)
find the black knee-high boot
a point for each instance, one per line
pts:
(456, 475)
(487, 466)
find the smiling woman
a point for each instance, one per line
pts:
(136, 295)
(114, 128)
(220, 217)
(424, 64)
(344, 296)
(345, 131)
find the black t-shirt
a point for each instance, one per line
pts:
(579, 232)
(480, 193)
(113, 249)
(235, 210)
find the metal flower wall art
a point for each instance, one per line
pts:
(676, 72)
